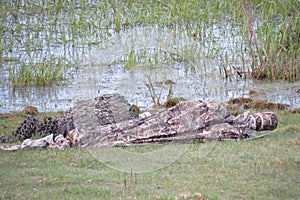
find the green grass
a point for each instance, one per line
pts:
(266, 168)
(45, 73)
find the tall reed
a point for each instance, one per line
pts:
(273, 39)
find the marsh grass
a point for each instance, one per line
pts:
(149, 57)
(155, 97)
(39, 74)
(266, 168)
(270, 32)
(274, 39)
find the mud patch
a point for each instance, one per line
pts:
(236, 105)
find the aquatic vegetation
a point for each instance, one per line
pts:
(132, 60)
(156, 97)
(274, 39)
(149, 57)
(39, 74)
(265, 35)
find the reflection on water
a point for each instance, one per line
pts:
(102, 72)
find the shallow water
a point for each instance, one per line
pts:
(101, 70)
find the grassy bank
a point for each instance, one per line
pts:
(266, 168)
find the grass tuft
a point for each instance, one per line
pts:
(39, 74)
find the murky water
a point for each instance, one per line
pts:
(102, 70)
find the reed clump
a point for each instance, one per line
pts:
(37, 74)
(273, 39)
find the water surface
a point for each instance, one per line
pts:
(101, 69)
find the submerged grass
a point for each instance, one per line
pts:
(148, 57)
(33, 29)
(266, 168)
(38, 74)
